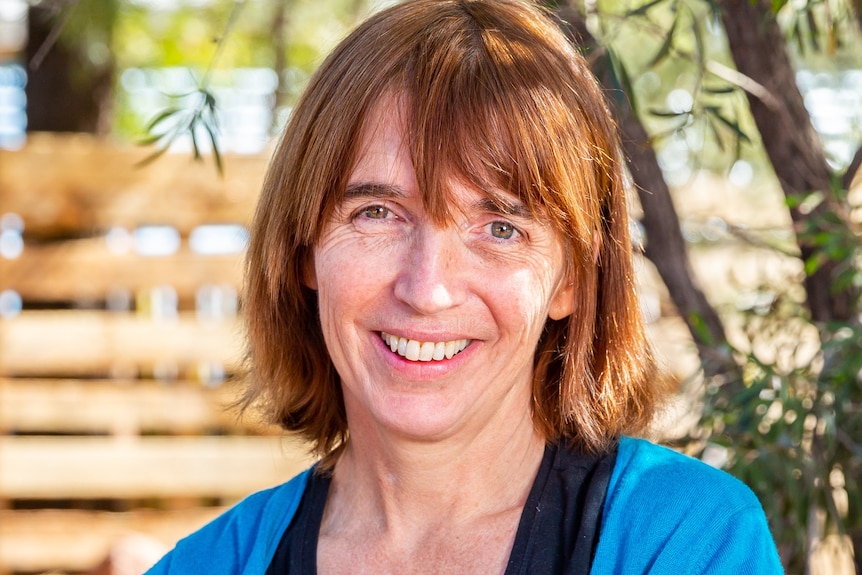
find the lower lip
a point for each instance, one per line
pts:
(424, 370)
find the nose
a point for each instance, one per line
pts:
(430, 280)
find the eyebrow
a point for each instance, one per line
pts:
(504, 207)
(373, 190)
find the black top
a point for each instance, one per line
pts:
(557, 534)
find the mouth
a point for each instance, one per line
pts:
(414, 350)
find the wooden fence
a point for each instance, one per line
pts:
(116, 357)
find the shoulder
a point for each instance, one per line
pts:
(245, 535)
(671, 513)
(644, 467)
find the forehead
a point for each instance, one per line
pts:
(387, 161)
(383, 150)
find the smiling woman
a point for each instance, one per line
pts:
(440, 299)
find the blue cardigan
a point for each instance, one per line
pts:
(665, 514)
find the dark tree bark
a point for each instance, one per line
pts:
(857, 9)
(665, 246)
(793, 147)
(852, 169)
(65, 91)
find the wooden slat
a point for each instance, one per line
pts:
(65, 185)
(73, 540)
(86, 342)
(87, 270)
(100, 467)
(118, 408)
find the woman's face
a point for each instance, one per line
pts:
(432, 328)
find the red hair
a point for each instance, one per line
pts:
(496, 96)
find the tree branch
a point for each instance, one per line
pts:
(665, 246)
(794, 149)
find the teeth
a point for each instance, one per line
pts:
(413, 350)
(423, 350)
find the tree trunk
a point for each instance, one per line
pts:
(665, 246)
(857, 9)
(794, 149)
(65, 91)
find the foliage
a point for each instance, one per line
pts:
(790, 427)
(675, 69)
(192, 119)
(289, 37)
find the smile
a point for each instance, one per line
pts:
(423, 350)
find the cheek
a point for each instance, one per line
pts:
(523, 297)
(347, 274)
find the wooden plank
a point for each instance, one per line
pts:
(73, 540)
(87, 270)
(103, 467)
(119, 408)
(74, 342)
(64, 185)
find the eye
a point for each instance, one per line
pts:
(376, 212)
(502, 230)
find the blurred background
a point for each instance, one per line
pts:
(134, 136)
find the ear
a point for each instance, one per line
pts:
(563, 301)
(309, 275)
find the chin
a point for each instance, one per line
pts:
(420, 419)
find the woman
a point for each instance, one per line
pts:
(440, 299)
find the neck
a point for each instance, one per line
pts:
(399, 483)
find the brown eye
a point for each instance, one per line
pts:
(502, 230)
(376, 212)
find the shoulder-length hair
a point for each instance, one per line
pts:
(497, 97)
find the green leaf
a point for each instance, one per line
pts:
(150, 139)
(666, 46)
(699, 326)
(666, 113)
(154, 156)
(698, 40)
(718, 139)
(195, 148)
(719, 90)
(734, 126)
(777, 5)
(216, 153)
(209, 99)
(161, 117)
(812, 264)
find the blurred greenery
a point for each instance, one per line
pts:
(217, 35)
(792, 427)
